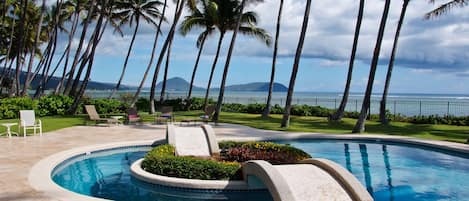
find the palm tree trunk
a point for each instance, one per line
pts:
(126, 58)
(360, 125)
(382, 107)
(216, 115)
(165, 76)
(266, 112)
(71, 73)
(340, 111)
(191, 86)
(155, 42)
(67, 53)
(162, 54)
(7, 56)
(214, 65)
(20, 45)
(90, 61)
(286, 114)
(28, 79)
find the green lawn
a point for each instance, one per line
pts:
(297, 124)
(321, 125)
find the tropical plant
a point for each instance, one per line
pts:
(244, 23)
(337, 116)
(445, 8)
(153, 50)
(202, 19)
(382, 107)
(360, 125)
(288, 106)
(266, 112)
(168, 39)
(131, 11)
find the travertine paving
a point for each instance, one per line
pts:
(19, 154)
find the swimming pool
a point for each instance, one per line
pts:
(388, 171)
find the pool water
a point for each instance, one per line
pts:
(106, 174)
(389, 172)
(395, 172)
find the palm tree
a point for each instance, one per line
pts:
(360, 125)
(131, 11)
(286, 114)
(382, 107)
(155, 42)
(245, 24)
(266, 112)
(203, 19)
(172, 30)
(340, 111)
(33, 51)
(444, 8)
(166, 67)
(228, 13)
(20, 43)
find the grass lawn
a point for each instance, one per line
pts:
(321, 125)
(297, 124)
(48, 123)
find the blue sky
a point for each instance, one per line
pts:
(433, 55)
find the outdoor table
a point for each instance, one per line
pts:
(117, 118)
(8, 127)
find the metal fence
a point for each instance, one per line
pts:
(395, 107)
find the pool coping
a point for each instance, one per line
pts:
(40, 174)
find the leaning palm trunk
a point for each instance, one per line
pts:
(71, 73)
(165, 76)
(67, 54)
(162, 54)
(340, 111)
(266, 112)
(28, 79)
(214, 65)
(155, 42)
(360, 125)
(126, 59)
(286, 114)
(191, 86)
(382, 107)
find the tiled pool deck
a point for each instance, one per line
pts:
(19, 154)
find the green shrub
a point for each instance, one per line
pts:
(161, 161)
(53, 105)
(10, 107)
(234, 107)
(255, 108)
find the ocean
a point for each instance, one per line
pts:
(408, 104)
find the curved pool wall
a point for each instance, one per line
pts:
(40, 174)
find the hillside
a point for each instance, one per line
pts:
(177, 84)
(257, 86)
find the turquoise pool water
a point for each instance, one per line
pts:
(390, 172)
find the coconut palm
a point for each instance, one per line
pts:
(202, 19)
(382, 107)
(445, 8)
(266, 112)
(168, 39)
(360, 125)
(337, 116)
(286, 114)
(155, 42)
(131, 11)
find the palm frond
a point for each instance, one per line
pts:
(445, 8)
(259, 33)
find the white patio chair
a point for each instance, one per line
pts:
(28, 121)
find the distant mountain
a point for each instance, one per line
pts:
(177, 84)
(55, 80)
(257, 86)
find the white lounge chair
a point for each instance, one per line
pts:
(28, 121)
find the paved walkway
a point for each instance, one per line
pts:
(19, 154)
